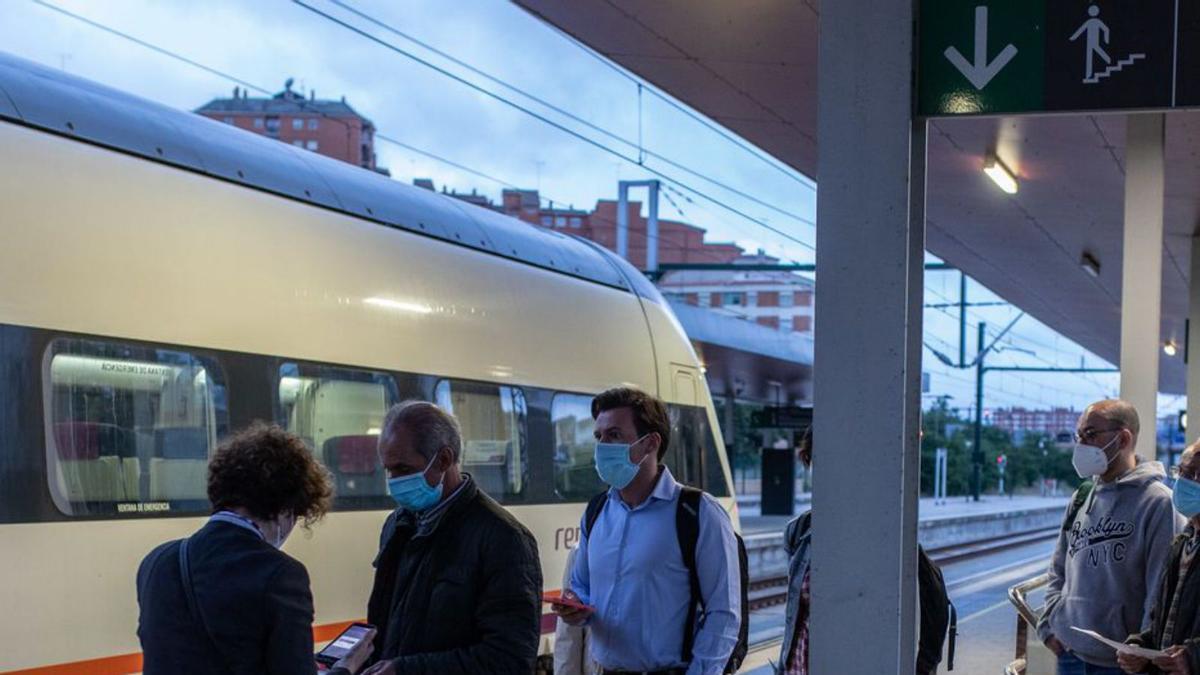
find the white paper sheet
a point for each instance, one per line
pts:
(1121, 647)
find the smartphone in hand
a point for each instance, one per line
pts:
(565, 601)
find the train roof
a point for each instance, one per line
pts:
(51, 100)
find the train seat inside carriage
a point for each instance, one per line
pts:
(95, 462)
(179, 466)
(354, 462)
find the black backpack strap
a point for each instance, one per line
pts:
(952, 637)
(687, 529)
(594, 507)
(189, 592)
(1077, 500)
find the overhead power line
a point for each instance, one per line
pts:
(748, 148)
(542, 118)
(263, 90)
(637, 145)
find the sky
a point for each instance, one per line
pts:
(264, 42)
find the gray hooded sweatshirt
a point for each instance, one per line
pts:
(1105, 572)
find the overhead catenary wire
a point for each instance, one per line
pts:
(700, 119)
(267, 92)
(638, 145)
(565, 129)
(383, 137)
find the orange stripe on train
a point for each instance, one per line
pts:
(132, 663)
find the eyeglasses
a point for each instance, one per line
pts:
(1089, 434)
(1177, 473)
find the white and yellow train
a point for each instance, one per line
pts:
(165, 279)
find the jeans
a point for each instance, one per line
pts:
(1069, 664)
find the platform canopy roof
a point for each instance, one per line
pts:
(752, 67)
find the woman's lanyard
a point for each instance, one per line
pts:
(239, 520)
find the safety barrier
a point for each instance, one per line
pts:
(1031, 658)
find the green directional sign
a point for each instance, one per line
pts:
(1028, 56)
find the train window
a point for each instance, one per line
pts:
(495, 442)
(575, 476)
(693, 456)
(339, 412)
(130, 428)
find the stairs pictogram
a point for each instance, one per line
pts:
(1114, 68)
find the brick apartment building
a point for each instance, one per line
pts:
(780, 300)
(1020, 421)
(331, 128)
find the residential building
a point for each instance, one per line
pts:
(780, 300)
(1054, 422)
(331, 128)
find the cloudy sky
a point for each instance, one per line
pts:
(264, 42)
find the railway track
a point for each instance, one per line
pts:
(770, 590)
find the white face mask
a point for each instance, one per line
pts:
(1090, 460)
(283, 527)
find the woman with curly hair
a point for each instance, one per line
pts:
(226, 599)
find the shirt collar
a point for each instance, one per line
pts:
(239, 520)
(427, 521)
(665, 489)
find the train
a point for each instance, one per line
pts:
(166, 279)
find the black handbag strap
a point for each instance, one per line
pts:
(189, 592)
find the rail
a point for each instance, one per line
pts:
(770, 590)
(1026, 616)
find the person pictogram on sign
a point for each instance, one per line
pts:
(1093, 27)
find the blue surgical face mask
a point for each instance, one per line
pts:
(1186, 497)
(412, 492)
(613, 465)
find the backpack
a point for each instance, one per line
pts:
(939, 618)
(687, 530)
(1077, 500)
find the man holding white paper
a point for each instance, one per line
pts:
(1175, 624)
(1113, 543)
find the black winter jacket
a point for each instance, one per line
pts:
(254, 598)
(462, 595)
(1187, 621)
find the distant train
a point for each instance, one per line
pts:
(165, 279)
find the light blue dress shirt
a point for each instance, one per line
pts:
(631, 570)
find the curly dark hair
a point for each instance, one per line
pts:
(269, 472)
(649, 413)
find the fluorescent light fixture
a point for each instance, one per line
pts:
(1089, 264)
(399, 305)
(1000, 174)
(1169, 348)
(373, 431)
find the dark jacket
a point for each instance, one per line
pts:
(1187, 621)
(255, 601)
(459, 595)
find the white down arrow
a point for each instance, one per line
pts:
(981, 72)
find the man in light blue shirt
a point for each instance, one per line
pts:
(629, 569)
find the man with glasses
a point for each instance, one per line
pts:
(1114, 539)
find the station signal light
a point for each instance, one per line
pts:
(1000, 174)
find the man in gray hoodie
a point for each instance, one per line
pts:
(1109, 557)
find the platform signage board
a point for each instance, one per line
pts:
(1031, 56)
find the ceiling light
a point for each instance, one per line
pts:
(1000, 174)
(1169, 348)
(1089, 264)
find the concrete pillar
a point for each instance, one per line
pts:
(1193, 347)
(623, 219)
(652, 228)
(1141, 272)
(867, 375)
